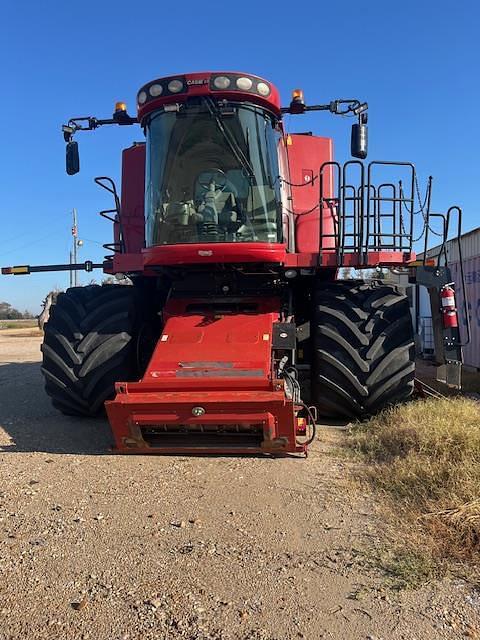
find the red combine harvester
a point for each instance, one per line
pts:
(236, 330)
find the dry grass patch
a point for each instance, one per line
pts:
(424, 457)
(18, 324)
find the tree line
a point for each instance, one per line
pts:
(7, 312)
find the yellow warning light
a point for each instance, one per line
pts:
(301, 426)
(297, 95)
(297, 105)
(289, 140)
(15, 270)
(120, 106)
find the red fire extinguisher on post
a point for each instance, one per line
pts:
(449, 307)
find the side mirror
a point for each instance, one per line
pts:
(359, 141)
(72, 158)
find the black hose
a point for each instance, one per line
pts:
(312, 422)
(288, 373)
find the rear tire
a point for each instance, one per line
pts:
(88, 346)
(364, 353)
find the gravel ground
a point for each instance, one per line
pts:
(106, 547)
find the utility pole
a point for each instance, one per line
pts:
(74, 251)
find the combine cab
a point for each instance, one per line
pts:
(236, 330)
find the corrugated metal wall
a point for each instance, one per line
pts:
(470, 247)
(471, 268)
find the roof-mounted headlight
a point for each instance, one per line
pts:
(244, 84)
(263, 89)
(155, 90)
(175, 86)
(221, 82)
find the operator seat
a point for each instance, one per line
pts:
(219, 214)
(217, 206)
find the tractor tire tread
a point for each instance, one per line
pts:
(363, 348)
(88, 346)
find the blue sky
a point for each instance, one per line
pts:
(416, 63)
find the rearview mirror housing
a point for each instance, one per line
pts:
(72, 158)
(359, 141)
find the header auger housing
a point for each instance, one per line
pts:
(236, 330)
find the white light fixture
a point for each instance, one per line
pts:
(198, 411)
(245, 84)
(263, 89)
(221, 82)
(142, 97)
(155, 90)
(174, 86)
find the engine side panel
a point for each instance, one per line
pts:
(133, 197)
(305, 156)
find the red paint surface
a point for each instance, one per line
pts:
(305, 156)
(219, 361)
(214, 252)
(329, 259)
(186, 254)
(133, 198)
(234, 343)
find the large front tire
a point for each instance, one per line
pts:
(88, 346)
(364, 354)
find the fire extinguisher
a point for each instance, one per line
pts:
(449, 307)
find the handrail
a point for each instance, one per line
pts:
(462, 273)
(111, 188)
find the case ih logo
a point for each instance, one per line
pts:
(200, 81)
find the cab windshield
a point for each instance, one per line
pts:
(212, 174)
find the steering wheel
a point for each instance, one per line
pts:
(217, 176)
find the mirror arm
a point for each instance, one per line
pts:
(339, 107)
(90, 123)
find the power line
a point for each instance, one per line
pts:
(28, 244)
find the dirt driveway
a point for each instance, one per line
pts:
(106, 547)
